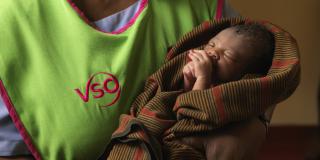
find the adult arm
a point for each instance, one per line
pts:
(11, 142)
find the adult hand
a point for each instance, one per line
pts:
(237, 141)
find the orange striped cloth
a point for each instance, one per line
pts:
(163, 113)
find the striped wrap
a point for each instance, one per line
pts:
(163, 112)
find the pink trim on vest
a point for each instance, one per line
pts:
(16, 120)
(219, 9)
(143, 4)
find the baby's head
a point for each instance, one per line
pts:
(240, 50)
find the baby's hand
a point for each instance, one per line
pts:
(188, 76)
(202, 64)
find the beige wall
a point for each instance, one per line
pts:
(302, 19)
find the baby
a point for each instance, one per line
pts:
(228, 56)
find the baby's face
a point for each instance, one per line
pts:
(231, 54)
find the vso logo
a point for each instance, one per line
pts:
(101, 88)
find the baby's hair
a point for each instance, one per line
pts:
(263, 42)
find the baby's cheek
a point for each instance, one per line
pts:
(225, 73)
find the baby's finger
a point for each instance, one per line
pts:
(189, 74)
(199, 51)
(191, 68)
(205, 56)
(185, 69)
(199, 54)
(193, 57)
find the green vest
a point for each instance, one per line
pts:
(66, 83)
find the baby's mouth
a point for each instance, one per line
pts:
(215, 57)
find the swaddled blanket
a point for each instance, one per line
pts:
(163, 112)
